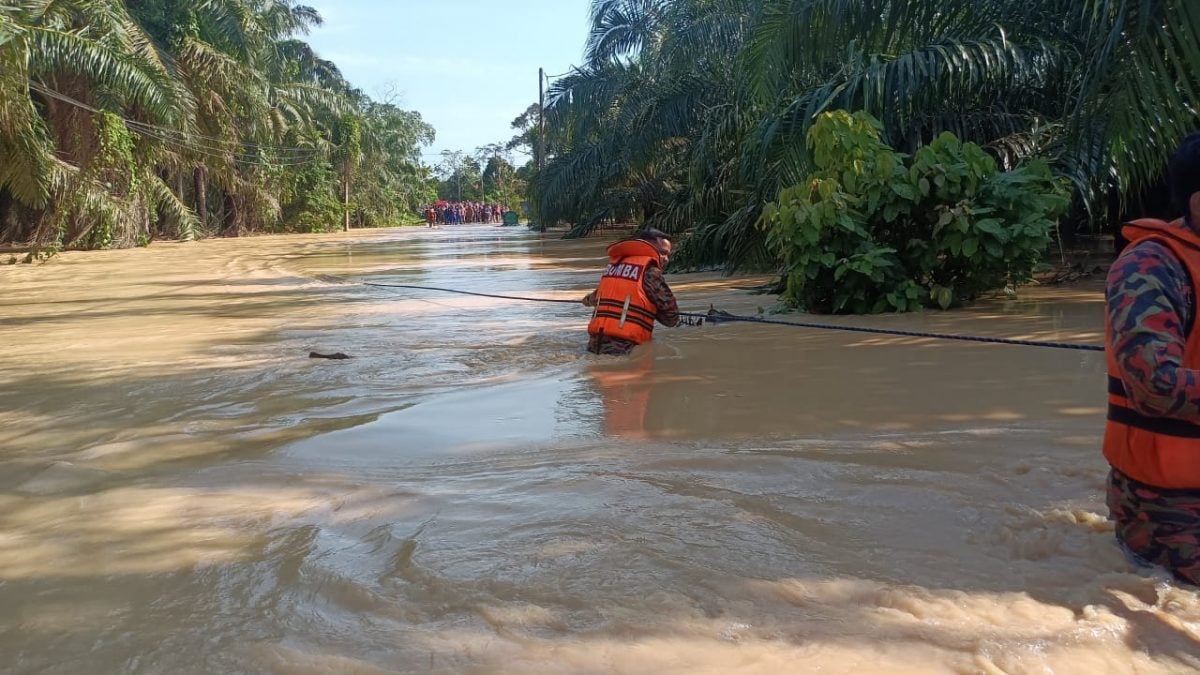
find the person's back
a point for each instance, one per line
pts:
(1152, 438)
(632, 295)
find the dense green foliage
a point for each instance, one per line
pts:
(872, 230)
(692, 114)
(122, 121)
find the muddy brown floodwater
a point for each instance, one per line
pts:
(182, 490)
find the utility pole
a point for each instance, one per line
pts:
(541, 158)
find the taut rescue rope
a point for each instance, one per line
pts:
(714, 317)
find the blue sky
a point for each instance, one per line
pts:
(468, 66)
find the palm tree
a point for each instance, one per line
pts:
(258, 91)
(389, 180)
(26, 151)
(704, 104)
(626, 125)
(113, 115)
(73, 72)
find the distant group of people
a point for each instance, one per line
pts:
(459, 213)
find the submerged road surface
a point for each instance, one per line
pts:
(182, 490)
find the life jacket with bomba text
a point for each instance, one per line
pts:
(623, 311)
(1159, 451)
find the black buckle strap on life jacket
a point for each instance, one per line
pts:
(1116, 387)
(648, 325)
(1122, 414)
(632, 308)
(1164, 426)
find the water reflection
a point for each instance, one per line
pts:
(624, 387)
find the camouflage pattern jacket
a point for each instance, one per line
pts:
(1151, 307)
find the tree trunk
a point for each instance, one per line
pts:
(8, 220)
(160, 225)
(346, 199)
(647, 213)
(201, 196)
(230, 228)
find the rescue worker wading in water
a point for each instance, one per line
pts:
(632, 295)
(1152, 439)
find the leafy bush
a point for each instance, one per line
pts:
(312, 203)
(873, 230)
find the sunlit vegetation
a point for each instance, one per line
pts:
(125, 121)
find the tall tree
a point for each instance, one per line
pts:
(692, 113)
(120, 121)
(73, 72)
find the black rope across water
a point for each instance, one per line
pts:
(714, 317)
(910, 333)
(481, 295)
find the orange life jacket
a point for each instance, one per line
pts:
(623, 311)
(1159, 451)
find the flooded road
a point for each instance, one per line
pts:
(182, 490)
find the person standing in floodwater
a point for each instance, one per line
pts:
(1152, 439)
(633, 294)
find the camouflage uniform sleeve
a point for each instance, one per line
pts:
(1151, 304)
(660, 294)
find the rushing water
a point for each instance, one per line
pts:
(182, 490)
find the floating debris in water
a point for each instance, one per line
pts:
(337, 357)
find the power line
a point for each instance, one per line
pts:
(199, 140)
(238, 158)
(217, 148)
(166, 130)
(221, 153)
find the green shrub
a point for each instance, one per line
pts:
(873, 230)
(311, 202)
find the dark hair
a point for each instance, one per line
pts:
(652, 235)
(1183, 173)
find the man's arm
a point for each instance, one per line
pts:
(590, 299)
(660, 294)
(1150, 306)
